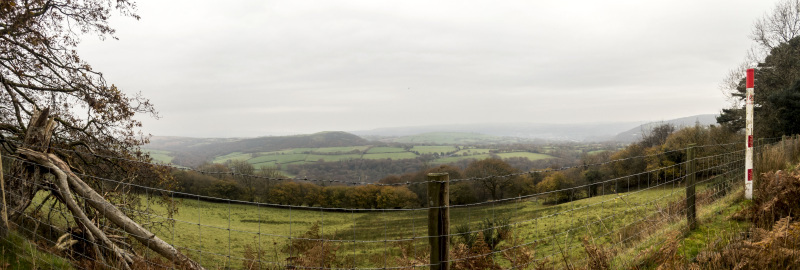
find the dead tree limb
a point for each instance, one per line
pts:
(29, 178)
(108, 210)
(25, 179)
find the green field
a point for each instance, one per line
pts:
(528, 155)
(452, 159)
(292, 156)
(233, 156)
(160, 156)
(433, 149)
(269, 227)
(452, 138)
(331, 158)
(346, 149)
(398, 155)
(224, 231)
(334, 154)
(474, 151)
(379, 150)
(287, 158)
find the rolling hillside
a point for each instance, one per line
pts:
(635, 134)
(194, 151)
(516, 131)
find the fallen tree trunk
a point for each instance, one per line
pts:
(39, 162)
(108, 210)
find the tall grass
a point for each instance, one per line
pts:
(777, 155)
(17, 252)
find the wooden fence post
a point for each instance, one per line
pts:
(439, 220)
(691, 210)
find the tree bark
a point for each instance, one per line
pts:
(80, 217)
(27, 178)
(108, 210)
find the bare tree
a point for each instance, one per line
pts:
(492, 174)
(771, 30)
(243, 173)
(656, 135)
(64, 183)
(59, 116)
(780, 26)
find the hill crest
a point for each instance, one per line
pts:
(635, 134)
(194, 151)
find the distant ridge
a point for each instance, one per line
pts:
(635, 134)
(195, 151)
(551, 132)
(192, 152)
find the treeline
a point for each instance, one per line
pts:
(298, 193)
(373, 170)
(262, 185)
(652, 160)
(636, 166)
(355, 170)
(490, 179)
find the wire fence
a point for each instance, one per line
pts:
(545, 228)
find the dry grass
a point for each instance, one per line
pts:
(773, 242)
(778, 194)
(778, 248)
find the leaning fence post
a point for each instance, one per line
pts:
(439, 220)
(691, 210)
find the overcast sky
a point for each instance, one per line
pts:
(253, 68)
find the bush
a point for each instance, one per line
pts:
(552, 183)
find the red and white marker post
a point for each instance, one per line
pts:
(748, 158)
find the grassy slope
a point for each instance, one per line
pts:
(227, 229)
(531, 156)
(17, 252)
(265, 226)
(332, 154)
(379, 150)
(715, 227)
(401, 155)
(232, 156)
(161, 156)
(451, 138)
(433, 149)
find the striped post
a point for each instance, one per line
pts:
(748, 159)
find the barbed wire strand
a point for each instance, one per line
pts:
(707, 166)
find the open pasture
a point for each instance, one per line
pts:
(433, 149)
(334, 154)
(160, 156)
(369, 238)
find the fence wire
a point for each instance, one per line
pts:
(551, 227)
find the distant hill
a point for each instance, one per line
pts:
(635, 134)
(191, 152)
(195, 151)
(551, 132)
(459, 138)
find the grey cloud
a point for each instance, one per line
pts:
(213, 69)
